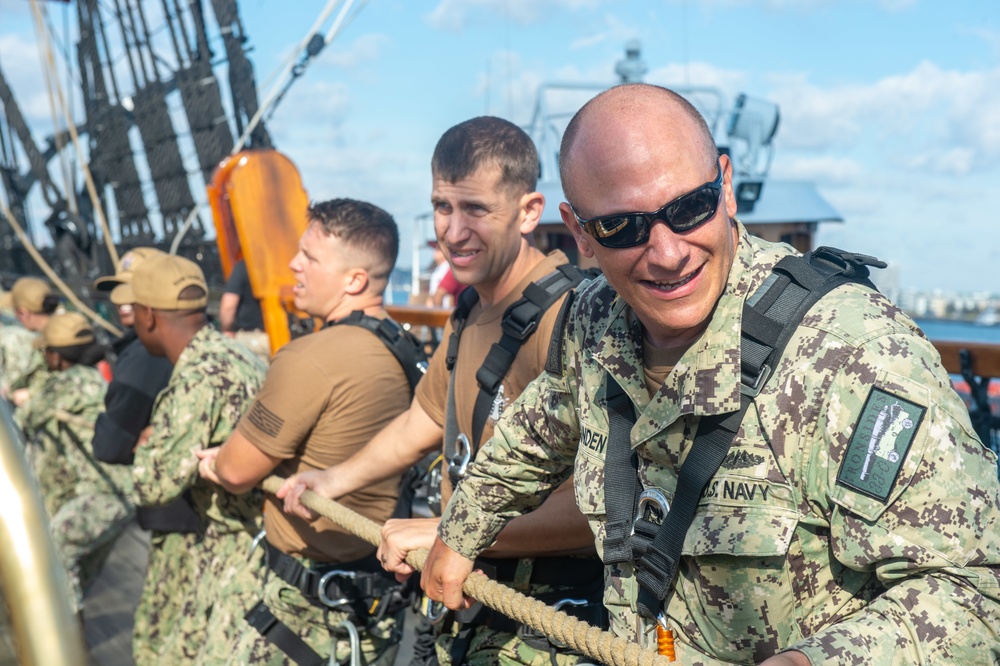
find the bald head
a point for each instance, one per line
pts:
(626, 123)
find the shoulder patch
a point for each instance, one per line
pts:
(882, 438)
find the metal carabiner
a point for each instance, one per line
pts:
(434, 611)
(321, 588)
(559, 605)
(353, 639)
(256, 542)
(647, 497)
(458, 464)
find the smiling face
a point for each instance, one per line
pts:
(638, 158)
(482, 227)
(321, 273)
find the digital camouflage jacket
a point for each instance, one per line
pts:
(856, 517)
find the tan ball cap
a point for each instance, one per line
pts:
(65, 330)
(29, 293)
(126, 268)
(159, 282)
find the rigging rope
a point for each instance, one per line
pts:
(51, 274)
(71, 126)
(274, 97)
(578, 635)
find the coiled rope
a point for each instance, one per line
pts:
(558, 626)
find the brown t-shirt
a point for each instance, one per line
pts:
(325, 396)
(657, 364)
(482, 330)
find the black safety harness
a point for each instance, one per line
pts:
(641, 526)
(519, 322)
(403, 345)
(362, 588)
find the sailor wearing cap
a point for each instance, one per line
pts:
(21, 367)
(89, 501)
(213, 379)
(138, 379)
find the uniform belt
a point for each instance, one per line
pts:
(333, 584)
(559, 571)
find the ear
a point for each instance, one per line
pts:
(727, 185)
(356, 281)
(531, 205)
(582, 238)
(151, 321)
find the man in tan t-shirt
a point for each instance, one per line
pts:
(325, 396)
(485, 210)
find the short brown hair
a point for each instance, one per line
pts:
(363, 226)
(488, 141)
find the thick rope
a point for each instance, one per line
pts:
(558, 626)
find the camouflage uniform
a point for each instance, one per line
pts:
(55, 444)
(18, 359)
(87, 526)
(213, 379)
(792, 546)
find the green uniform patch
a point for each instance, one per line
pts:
(881, 440)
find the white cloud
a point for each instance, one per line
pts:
(940, 120)
(363, 51)
(830, 170)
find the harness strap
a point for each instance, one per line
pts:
(274, 631)
(355, 584)
(519, 323)
(407, 350)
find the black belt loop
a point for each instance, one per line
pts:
(274, 631)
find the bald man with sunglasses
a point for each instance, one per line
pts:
(854, 518)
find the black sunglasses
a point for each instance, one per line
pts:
(684, 213)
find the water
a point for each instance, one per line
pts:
(946, 329)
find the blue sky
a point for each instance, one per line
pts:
(891, 106)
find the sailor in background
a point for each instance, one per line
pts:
(24, 368)
(240, 316)
(138, 378)
(823, 538)
(213, 380)
(325, 396)
(485, 210)
(90, 501)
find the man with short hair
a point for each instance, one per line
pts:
(485, 210)
(138, 378)
(854, 519)
(212, 382)
(325, 396)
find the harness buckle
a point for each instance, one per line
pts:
(458, 464)
(325, 580)
(752, 391)
(647, 497)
